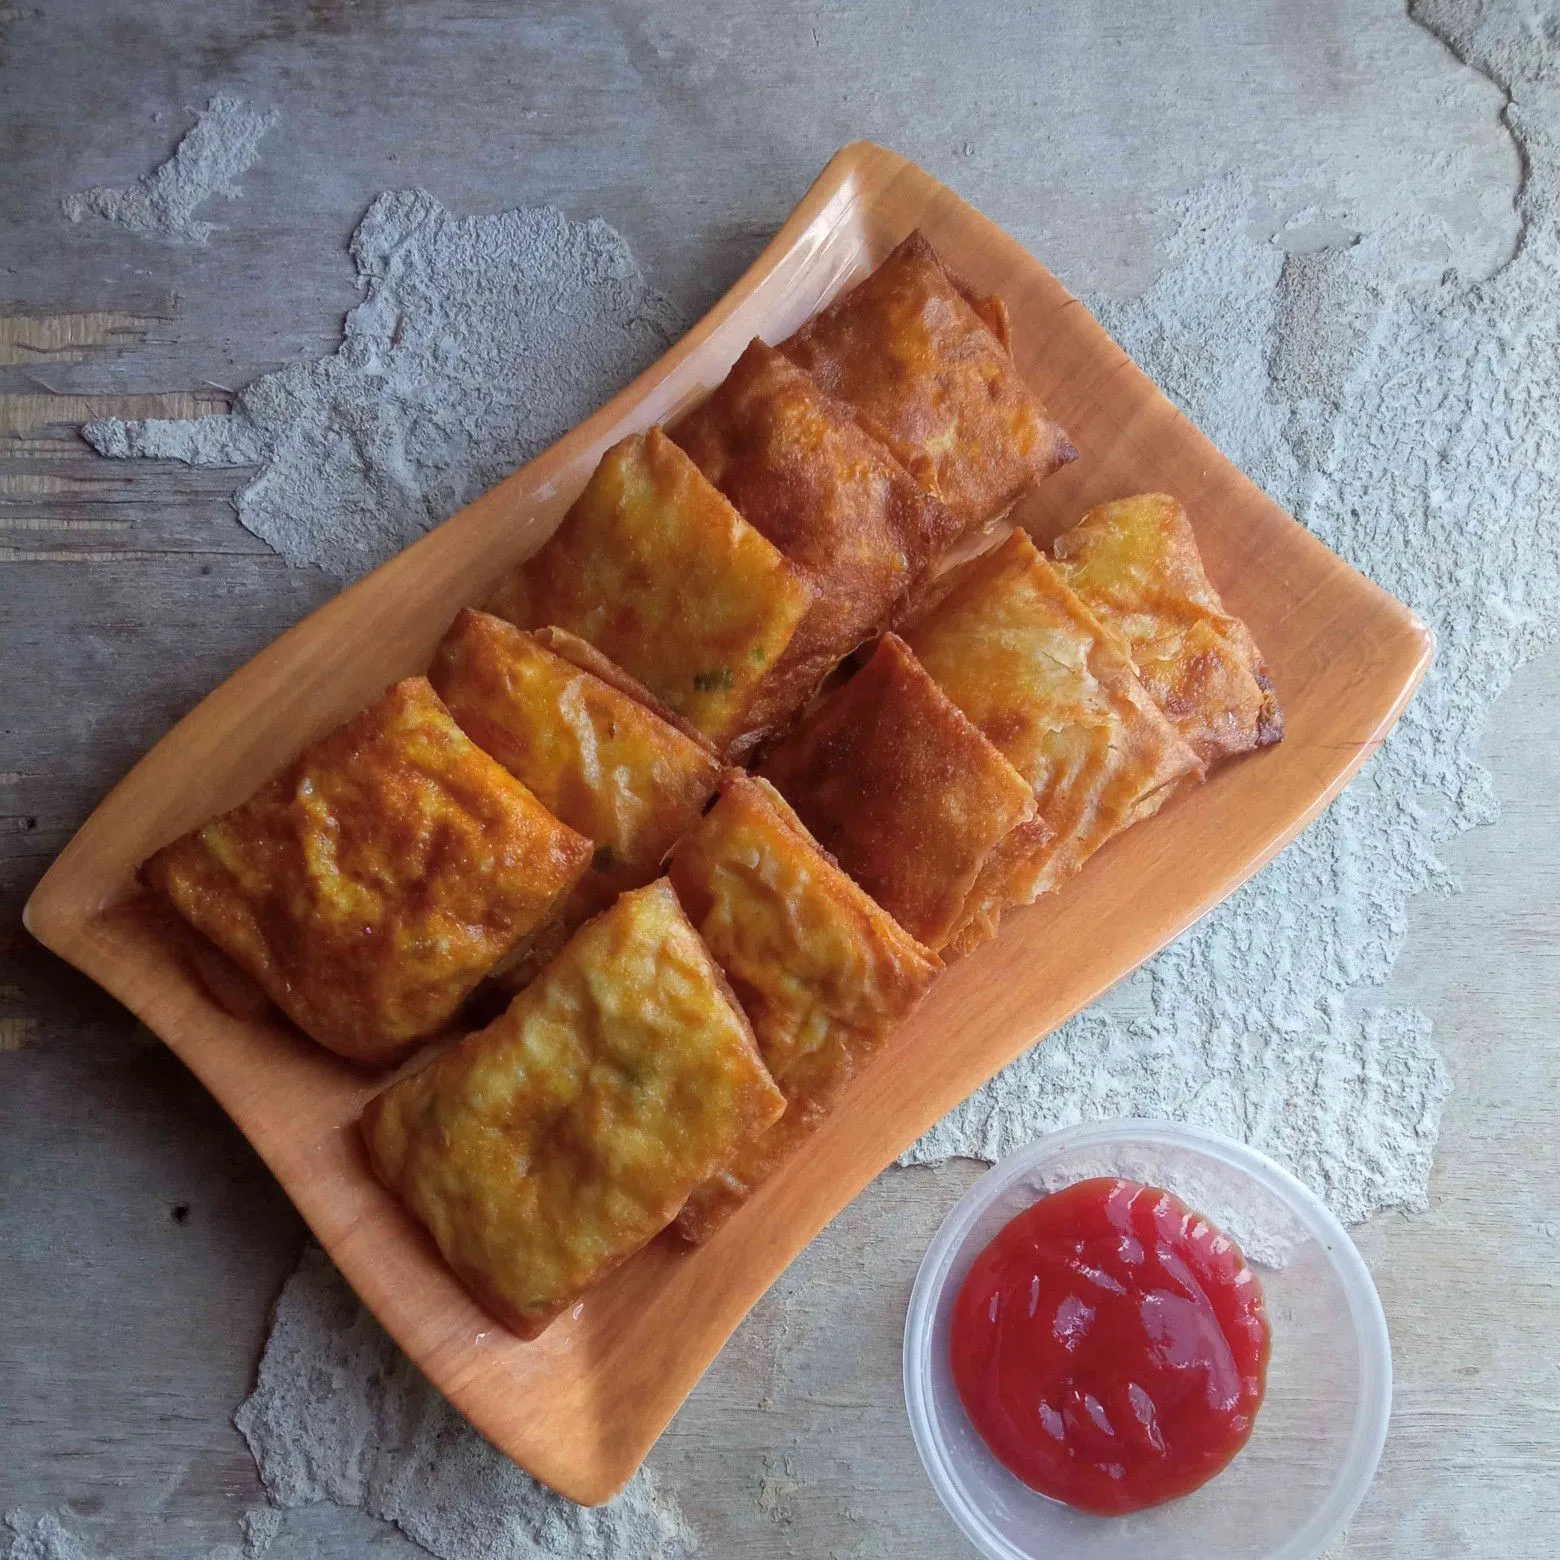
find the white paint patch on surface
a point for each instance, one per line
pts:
(480, 340)
(224, 143)
(43, 1536)
(340, 1414)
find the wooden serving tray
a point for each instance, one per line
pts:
(581, 1406)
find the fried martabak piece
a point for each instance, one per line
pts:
(589, 743)
(830, 497)
(823, 973)
(546, 1149)
(655, 568)
(371, 885)
(1029, 665)
(1135, 565)
(907, 794)
(924, 364)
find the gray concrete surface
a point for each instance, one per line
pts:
(140, 1239)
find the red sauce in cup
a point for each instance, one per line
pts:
(1110, 1346)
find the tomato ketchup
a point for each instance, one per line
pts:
(1110, 1346)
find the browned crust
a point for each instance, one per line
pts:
(524, 1325)
(1098, 751)
(1014, 856)
(712, 1203)
(529, 1325)
(666, 771)
(579, 652)
(800, 470)
(923, 362)
(763, 1109)
(232, 988)
(1270, 723)
(656, 568)
(340, 991)
(1136, 564)
(897, 971)
(873, 774)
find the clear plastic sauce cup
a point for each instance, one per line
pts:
(1290, 1491)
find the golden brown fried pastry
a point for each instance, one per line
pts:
(1029, 664)
(823, 973)
(830, 497)
(545, 1149)
(596, 753)
(1136, 566)
(371, 885)
(925, 367)
(899, 786)
(588, 658)
(657, 571)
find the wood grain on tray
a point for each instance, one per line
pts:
(581, 1404)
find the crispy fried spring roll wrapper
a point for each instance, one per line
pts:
(588, 658)
(1028, 663)
(1135, 565)
(822, 971)
(371, 885)
(595, 753)
(831, 498)
(903, 790)
(655, 568)
(544, 1150)
(924, 365)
